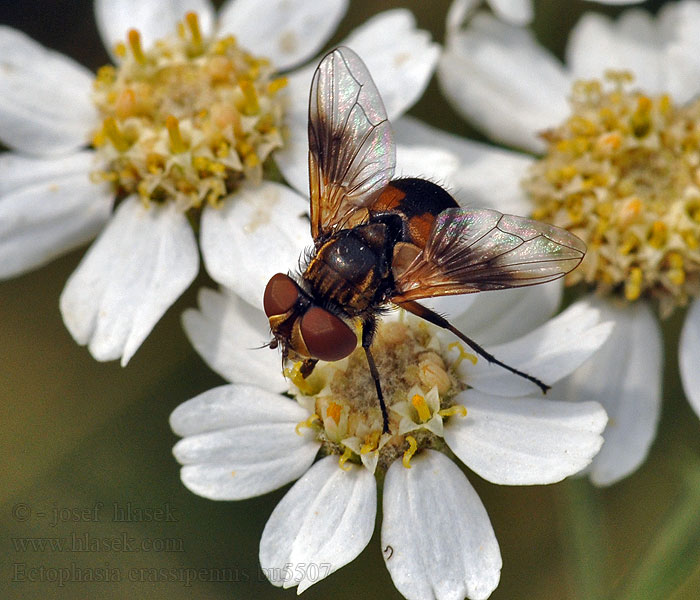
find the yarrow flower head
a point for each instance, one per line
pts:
(245, 439)
(622, 172)
(187, 120)
(342, 397)
(169, 148)
(618, 131)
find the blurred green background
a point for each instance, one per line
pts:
(75, 432)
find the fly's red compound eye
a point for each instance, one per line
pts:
(281, 293)
(326, 336)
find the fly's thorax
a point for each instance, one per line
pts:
(351, 269)
(419, 385)
(186, 120)
(623, 173)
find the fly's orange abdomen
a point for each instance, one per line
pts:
(417, 202)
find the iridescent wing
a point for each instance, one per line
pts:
(351, 145)
(472, 250)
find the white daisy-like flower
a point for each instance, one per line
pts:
(263, 431)
(176, 133)
(515, 12)
(618, 130)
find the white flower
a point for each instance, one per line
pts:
(75, 137)
(516, 12)
(245, 438)
(504, 82)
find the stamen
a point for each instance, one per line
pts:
(457, 409)
(177, 144)
(220, 46)
(412, 447)
(463, 354)
(641, 118)
(114, 134)
(276, 85)
(633, 285)
(120, 50)
(308, 423)
(251, 105)
(657, 237)
(371, 443)
(421, 407)
(196, 34)
(676, 272)
(294, 374)
(134, 38)
(347, 454)
(252, 160)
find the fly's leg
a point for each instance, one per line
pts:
(434, 318)
(369, 326)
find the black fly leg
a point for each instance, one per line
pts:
(369, 326)
(434, 318)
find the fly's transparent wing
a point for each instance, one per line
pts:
(472, 250)
(351, 146)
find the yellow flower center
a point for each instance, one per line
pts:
(623, 173)
(186, 120)
(418, 386)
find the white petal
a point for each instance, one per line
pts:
(47, 207)
(689, 356)
(459, 12)
(228, 334)
(233, 405)
(293, 158)
(323, 523)
(499, 78)
(487, 176)
(154, 19)
(453, 308)
(437, 537)
(426, 162)
(550, 352)
(502, 315)
(259, 231)
(661, 51)
(682, 73)
(285, 31)
(45, 105)
(625, 377)
(234, 450)
(525, 441)
(630, 43)
(19, 171)
(400, 58)
(142, 261)
(516, 12)
(679, 21)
